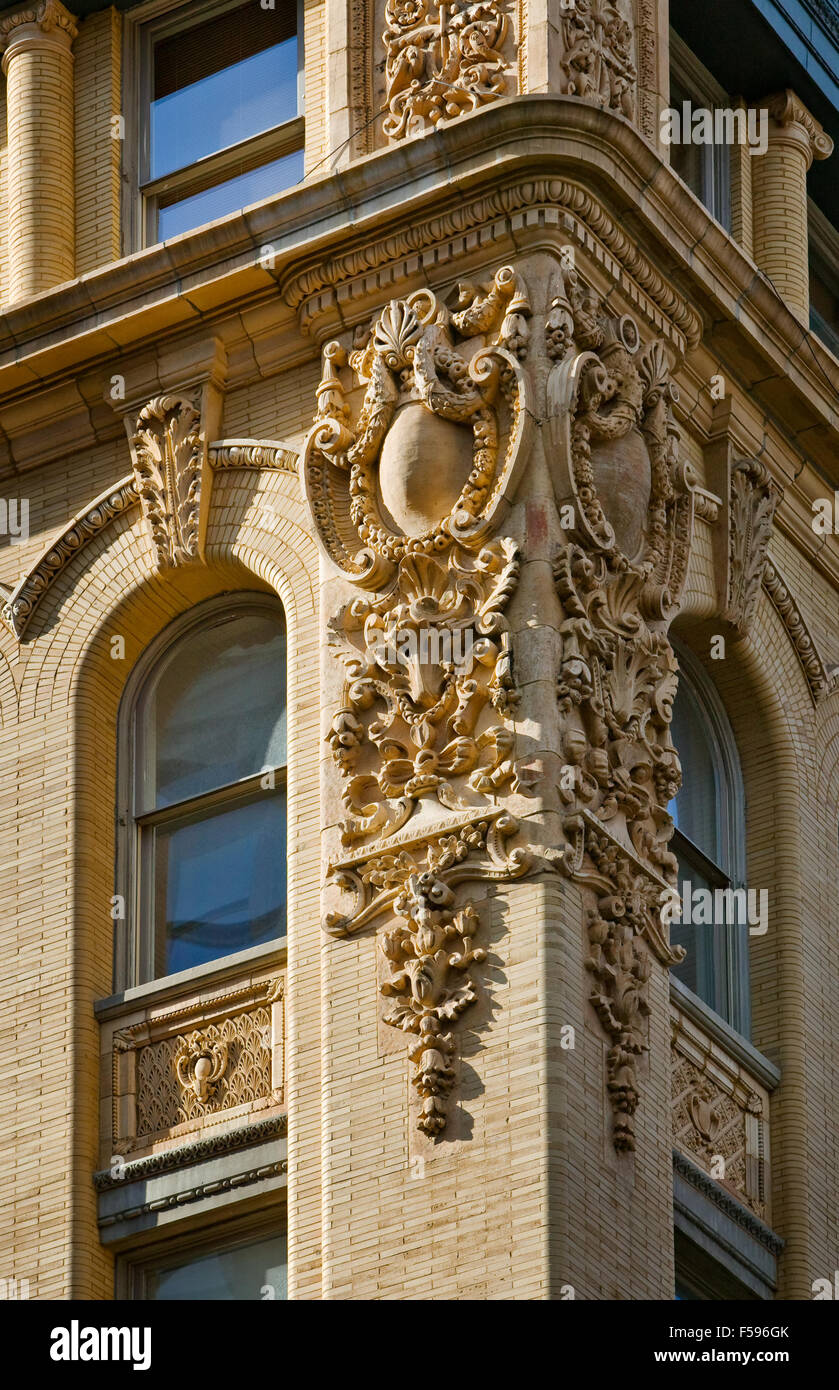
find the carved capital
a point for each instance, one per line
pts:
(791, 114)
(46, 24)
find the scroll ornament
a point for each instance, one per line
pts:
(442, 59)
(408, 490)
(596, 62)
(619, 576)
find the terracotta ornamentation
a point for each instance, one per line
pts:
(442, 59)
(629, 499)
(421, 432)
(596, 62)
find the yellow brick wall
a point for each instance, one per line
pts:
(314, 47)
(98, 154)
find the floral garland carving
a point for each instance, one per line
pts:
(442, 59)
(422, 740)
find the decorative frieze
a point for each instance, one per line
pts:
(442, 60)
(720, 1114)
(192, 1066)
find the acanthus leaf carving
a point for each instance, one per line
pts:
(441, 60)
(169, 453)
(754, 498)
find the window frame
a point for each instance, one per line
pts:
(699, 83)
(732, 993)
(142, 196)
(134, 1266)
(823, 260)
(135, 939)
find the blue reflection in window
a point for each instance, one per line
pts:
(242, 100)
(230, 196)
(224, 880)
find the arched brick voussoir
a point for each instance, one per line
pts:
(8, 689)
(112, 588)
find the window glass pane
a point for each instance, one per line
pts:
(219, 882)
(218, 711)
(230, 196)
(221, 82)
(695, 808)
(240, 1273)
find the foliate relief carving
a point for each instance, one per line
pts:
(169, 451)
(754, 498)
(407, 490)
(629, 501)
(21, 603)
(596, 59)
(442, 59)
(430, 984)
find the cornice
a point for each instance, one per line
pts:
(739, 1214)
(245, 1137)
(196, 279)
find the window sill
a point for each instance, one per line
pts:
(172, 986)
(735, 1044)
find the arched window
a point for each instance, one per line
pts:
(205, 803)
(710, 845)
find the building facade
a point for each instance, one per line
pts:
(419, 657)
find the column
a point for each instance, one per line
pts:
(38, 64)
(779, 179)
